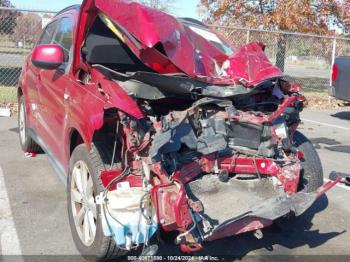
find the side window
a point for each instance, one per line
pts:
(64, 36)
(47, 35)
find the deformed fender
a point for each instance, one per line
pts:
(96, 98)
(118, 98)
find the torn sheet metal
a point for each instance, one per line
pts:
(184, 46)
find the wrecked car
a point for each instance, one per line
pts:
(159, 124)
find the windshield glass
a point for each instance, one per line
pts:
(212, 38)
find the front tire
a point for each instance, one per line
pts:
(312, 171)
(84, 184)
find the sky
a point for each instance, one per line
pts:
(182, 8)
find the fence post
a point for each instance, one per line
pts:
(333, 59)
(248, 36)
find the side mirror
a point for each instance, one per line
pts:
(48, 56)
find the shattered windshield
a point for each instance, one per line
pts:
(212, 38)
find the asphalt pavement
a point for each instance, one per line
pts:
(34, 221)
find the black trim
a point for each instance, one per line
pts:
(46, 65)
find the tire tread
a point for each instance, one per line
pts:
(312, 173)
(101, 155)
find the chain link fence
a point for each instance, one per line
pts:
(19, 31)
(306, 58)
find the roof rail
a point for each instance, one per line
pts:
(72, 7)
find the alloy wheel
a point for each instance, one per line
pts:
(84, 208)
(22, 124)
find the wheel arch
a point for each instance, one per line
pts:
(75, 139)
(77, 136)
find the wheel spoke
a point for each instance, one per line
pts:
(79, 217)
(92, 225)
(76, 196)
(93, 208)
(22, 130)
(77, 180)
(86, 229)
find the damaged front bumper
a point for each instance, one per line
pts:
(264, 214)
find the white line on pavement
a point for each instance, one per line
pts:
(9, 243)
(325, 124)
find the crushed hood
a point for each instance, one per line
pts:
(171, 45)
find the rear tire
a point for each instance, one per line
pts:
(100, 247)
(312, 172)
(27, 143)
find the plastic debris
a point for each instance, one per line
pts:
(5, 112)
(29, 155)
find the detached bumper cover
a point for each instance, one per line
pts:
(264, 214)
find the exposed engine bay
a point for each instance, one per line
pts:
(208, 167)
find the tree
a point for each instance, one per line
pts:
(27, 29)
(343, 15)
(308, 16)
(7, 18)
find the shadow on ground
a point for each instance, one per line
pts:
(323, 140)
(340, 149)
(15, 130)
(344, 115)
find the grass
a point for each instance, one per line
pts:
(8, 95)
(315, 93)
(14, 50)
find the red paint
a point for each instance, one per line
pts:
(190, 248)
(172, 207)
(181, 44)
(29, 155)
(329, 185)
(109, 175)
(287, 102)
(52, 54)
(118, 97)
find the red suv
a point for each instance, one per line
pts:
(159, 123)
